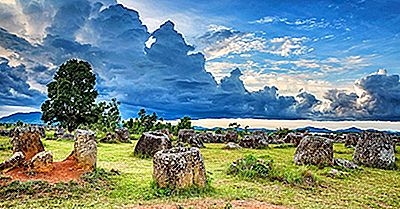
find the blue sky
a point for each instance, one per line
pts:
(316, 60)
(340, 41)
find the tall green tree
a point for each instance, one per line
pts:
(109, 117)
(71, 96)
(184, 123)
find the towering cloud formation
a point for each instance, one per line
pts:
(158, 70)
(14, 87)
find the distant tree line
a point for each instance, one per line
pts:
(151, 122)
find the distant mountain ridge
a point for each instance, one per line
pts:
(30, 117)
(34, 118)
(310, 129)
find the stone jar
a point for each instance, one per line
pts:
(151, 142)
(375, 150)
(179, 168)
(314, 151)
(27, 140)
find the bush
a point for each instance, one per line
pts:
(251, 168)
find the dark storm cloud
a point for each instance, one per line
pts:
(167, 77)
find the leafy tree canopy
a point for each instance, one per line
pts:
(71, 96)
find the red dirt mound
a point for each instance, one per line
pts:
(63, 171)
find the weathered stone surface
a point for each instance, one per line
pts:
(275, 140)
(350, 140)
(122, 135)
(375, 150)
(167, 132)
(263, 134)
(68, 136)
(231, 136)
(58, 133)
(4, 132)
(294, 138)
(151, 142)
(338, 138)
(27, 140)
(179, 168)
(109, 138)
(185, 134)
(314, 151)
(253, 141)
(232, 145)
(42, 131)
(219, 138)
(42, 162)
(195, 141)
(17, 159)
(206, 137)
(85, 149)
(345, 163)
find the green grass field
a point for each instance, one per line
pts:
(368, 188)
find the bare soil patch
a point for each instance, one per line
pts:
(212, 204)
(63, 171)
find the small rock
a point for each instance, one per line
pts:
(254, 142)
(345, 163)
(206, 137)
(17, 159)
(109, 138)
(333, 172)
(42, 162)
(58, 133)
(122, 135)
(67, 136)
(232, 145)
(294, 138)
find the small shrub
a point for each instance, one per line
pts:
(251, 167)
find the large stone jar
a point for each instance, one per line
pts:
(314, 151)
(85, 149)
(375, 150)
(27, 140)
(179, 168)
(151, 142)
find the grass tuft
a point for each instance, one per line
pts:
(252, 168)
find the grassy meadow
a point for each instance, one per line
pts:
(365, 188)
